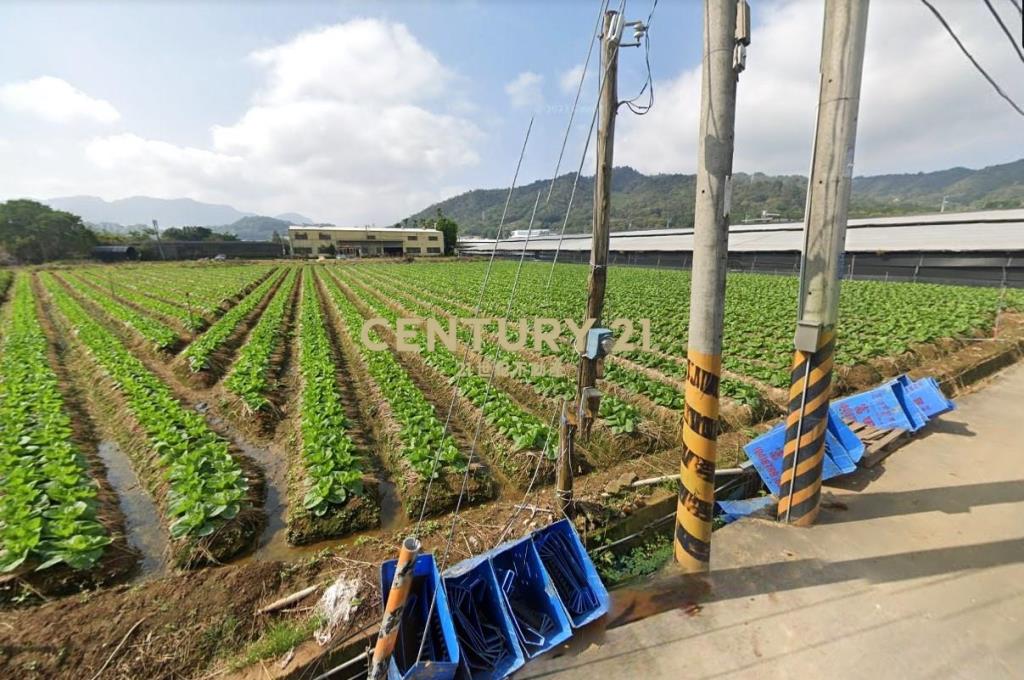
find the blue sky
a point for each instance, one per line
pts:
(365, 112)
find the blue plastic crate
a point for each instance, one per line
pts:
(489, 647)
(734, 510)
(766, 453)
(878, 408)
(537, 614)
(927, 396)
(841, 431)
(440, 657)
(915, 415)
(576, 580)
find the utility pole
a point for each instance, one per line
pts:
(726, 35)
(159, 247)
(828, 197)
(581, 414)
(603, 180)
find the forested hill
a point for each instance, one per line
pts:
(651, 201)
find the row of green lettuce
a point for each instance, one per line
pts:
(205, 484)
(423, 436)
(333, 468)
(249, 378)
(48, 500)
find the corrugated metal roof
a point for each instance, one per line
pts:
(999, 230)
(362, 229)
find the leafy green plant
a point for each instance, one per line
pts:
(198, 353)
(156, 332)
(206, 486)
(423, 436)
(47, 497)
(332, 466)
(248, 376)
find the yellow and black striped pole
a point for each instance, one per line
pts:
(810, 385)
(697, 471)
(722, 60)
(828, 196)
(393, 608)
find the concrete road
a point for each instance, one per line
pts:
(914, 571)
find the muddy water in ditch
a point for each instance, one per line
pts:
(144, 531)
(273, 542)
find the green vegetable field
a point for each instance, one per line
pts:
(258, 412)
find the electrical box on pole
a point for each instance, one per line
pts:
(828, 197)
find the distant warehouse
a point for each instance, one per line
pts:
(362, 242)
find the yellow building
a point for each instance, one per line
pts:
(364, 242)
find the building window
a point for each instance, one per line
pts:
(325, 237)
(371, 237)
(434, 251)
(413, 251)
(431, 238)
(413, 237)
(299, 250)
(301, 236)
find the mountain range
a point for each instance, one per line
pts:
(651, 201)
(127, 213)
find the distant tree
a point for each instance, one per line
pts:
(195, 234)
(449, 228)
(275, 237)
(33, 232)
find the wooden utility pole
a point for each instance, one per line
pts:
(582, 412)
(603, 181)
(828, 196)
(726, 34)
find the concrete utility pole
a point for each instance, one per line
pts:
(159, 247)
(828, 196)
(726, 35)
(581, 415)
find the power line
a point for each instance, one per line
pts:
(945, 24)
(641, 109)
(1017, 6)
(579, 90)
(999, 20)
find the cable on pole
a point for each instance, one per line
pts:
(1006, 31)
(579, 169)
(579, 89)
(642, 109)
(952, 33)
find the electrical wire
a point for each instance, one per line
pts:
(579, 89)
(579, 170)
(476, 435)
(952, 33)
(642, 109)
(1017, 6)
(1006, 31)
(476, 312)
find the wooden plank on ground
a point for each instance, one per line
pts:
(879, 449)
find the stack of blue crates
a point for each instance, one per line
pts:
(499, 609)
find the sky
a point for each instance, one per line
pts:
(363, 113)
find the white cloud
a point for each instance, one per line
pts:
(362, 60)
(524, 91)
(923, 106)
(569, 81)
(348, 118)
(55, 100)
